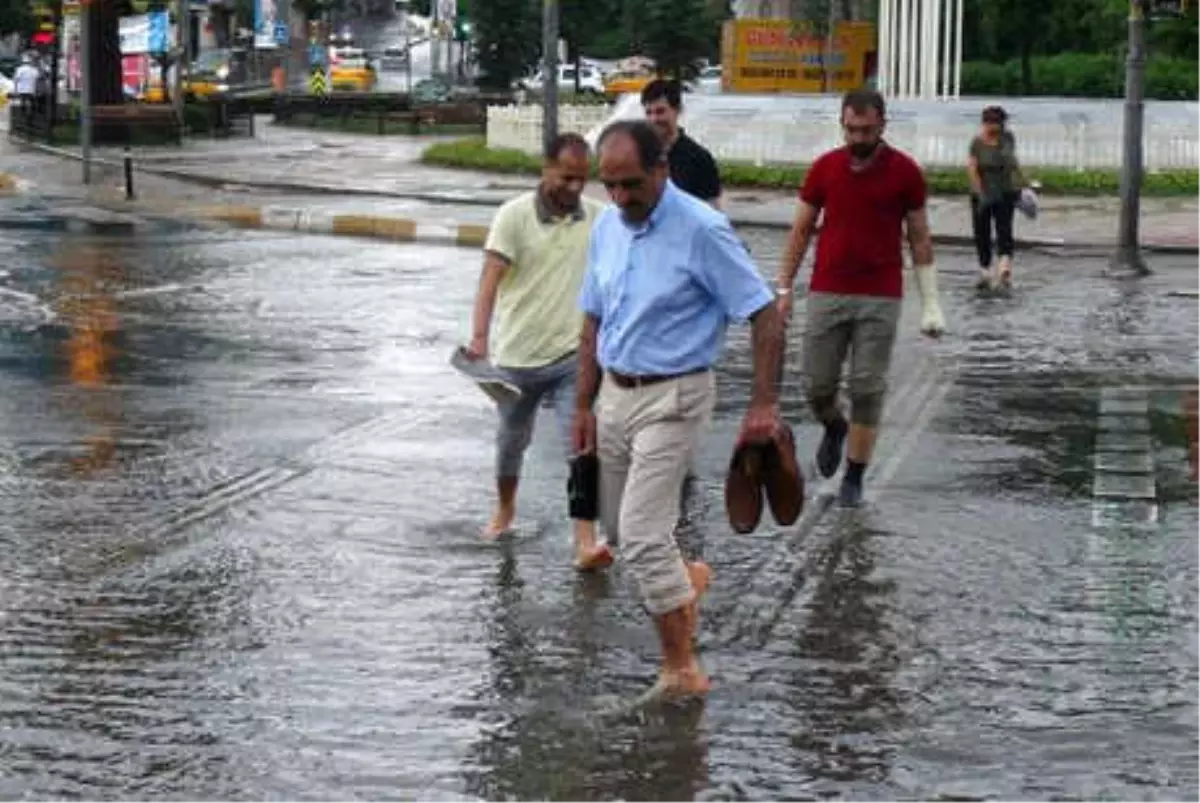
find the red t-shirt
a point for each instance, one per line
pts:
(859, 245)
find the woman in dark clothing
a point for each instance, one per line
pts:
(996, 183)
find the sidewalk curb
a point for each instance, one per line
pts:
(378, 227)
(469, 235)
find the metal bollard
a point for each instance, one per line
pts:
(128, 174)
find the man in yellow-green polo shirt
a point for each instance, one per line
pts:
(534, 261)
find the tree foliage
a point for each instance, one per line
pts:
(507, 37)
(677, 33)
(15, 17)
(1027, 32)
(998, 32)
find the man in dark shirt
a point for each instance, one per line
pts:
(692, 168)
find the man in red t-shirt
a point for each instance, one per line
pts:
(871, 195)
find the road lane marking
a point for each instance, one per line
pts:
(1124, 492)
(910, 408)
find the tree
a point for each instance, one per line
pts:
(576, 21)
(676, 34)
(1020, 26)
(15, 17)
(100, 23)
(585, 24)
(507, 37)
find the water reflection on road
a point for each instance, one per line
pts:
(239, 492)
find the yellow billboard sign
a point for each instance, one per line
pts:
(786, 56)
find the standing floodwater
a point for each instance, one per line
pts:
(240, 490)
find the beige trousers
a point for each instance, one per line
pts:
(645, 437)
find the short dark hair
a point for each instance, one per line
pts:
(663, 89)
(862, 99)
(569, 141)
(994, 114)
(649, 142)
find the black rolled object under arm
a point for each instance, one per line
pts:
(583, 488)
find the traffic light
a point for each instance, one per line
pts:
(462, 29)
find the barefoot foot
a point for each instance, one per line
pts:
(676, 684)
(500, 525)
(593, 558)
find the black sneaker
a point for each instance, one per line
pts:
(829, 453)
(851, 492)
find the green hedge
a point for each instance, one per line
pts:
(1081, 75)
(472, 153)
(370, 126)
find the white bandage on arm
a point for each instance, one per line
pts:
(931, 307)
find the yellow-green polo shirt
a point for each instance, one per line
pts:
(537, 306)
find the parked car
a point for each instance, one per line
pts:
(624, 82)
(438, 90)
(352, 71)
(590, 81)
(394, 58)
(215, 71)
(709, 80)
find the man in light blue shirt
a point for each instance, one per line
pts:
(666, 274)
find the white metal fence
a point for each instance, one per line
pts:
(520, 127)
(1077, 141)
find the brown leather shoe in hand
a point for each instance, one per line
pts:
(743, 487)
(782, 478)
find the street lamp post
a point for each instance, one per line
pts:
(55, 57)
(549, 73)
(435, 49)
(87, 12)
(182, 29)
(1128, 257)
(407, 55)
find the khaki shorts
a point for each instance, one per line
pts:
(645, 437)
(861, 327)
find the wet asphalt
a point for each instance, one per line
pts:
(239, 495)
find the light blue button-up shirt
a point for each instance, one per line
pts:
(665, 291)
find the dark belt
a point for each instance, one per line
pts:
(628, 382)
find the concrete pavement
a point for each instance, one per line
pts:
(329, 170)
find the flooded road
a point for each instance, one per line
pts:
(239, 494)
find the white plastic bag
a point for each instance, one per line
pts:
(1028, 203)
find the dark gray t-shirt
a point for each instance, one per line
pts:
(998, 166)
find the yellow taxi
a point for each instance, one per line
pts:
(214, 71)
(352, 71)
(621, 83)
